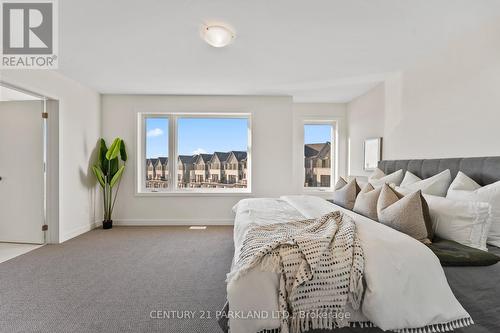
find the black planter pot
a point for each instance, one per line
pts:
(107, 224)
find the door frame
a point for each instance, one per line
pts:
(50, 108)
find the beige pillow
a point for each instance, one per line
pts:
(408, 214)
(366, 202)
(345, 193)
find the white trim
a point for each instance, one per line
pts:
(77, 232)
(145, 223)
(50, 164)
(196, 193)
(170, 222)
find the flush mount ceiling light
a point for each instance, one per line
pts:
(217, 35)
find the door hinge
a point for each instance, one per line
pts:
(45, 227)
(45, 115)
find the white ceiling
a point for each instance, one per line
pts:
(316, 51)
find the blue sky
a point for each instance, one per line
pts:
(317, 133)
(197, 135)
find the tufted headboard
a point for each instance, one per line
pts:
(484, 170)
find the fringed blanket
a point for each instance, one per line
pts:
(321, 265)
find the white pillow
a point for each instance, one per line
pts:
(379, 178)
(465, 222)
(409, 179)
(376, 174)
(435, 185)
(465, 188)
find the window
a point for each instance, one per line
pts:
(318, 154)
(156, 129)
(204, 153)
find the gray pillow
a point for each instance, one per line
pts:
(366, 202)
(345, 193)
(404, 213)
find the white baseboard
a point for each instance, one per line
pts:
(168, 222)
(144, 223)
(76, 232)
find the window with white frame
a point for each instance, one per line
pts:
(319, 155)
(182, 153)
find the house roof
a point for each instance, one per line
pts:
(317, 150)
(154, 161)
(204, 157)
(186, 159)
(221, 156)
(240, 155)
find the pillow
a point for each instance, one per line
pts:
(435, 185)
(379, 178)
(361, 180)
(409, 179)
(451, 253)
(376, 174)
(464, 188)
(465, 222)
(404, 213)
(345, 193)
(366, 202)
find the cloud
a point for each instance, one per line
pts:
(154, 132)
(199, 151)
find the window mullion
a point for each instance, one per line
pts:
(172, 152)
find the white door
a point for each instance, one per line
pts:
(21, 170)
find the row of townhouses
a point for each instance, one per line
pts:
(229, 169)
(317, 159)
(217, 170)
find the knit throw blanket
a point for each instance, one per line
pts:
(321, 265)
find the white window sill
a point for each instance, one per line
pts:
(318, 190)
(194, 194)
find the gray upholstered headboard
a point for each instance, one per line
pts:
(484, 170)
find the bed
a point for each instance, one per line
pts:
(477, 289)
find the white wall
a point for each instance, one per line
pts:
(78, 130)
(365, 120)
(450, 101)
(445, 105)
(274, 126)
(272, 134)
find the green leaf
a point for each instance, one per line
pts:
(117, 176)
(102, 156)
(114, 149)
(99, 175)
(123, 151)
(113, 167)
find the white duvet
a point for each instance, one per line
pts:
(405, 283)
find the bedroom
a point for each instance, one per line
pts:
(287, 108)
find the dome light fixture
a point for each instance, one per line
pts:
(217, 35)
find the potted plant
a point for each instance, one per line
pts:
(109, 170)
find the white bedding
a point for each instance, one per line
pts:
(406, 286)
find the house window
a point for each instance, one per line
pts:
(204, 153)
(318, 155)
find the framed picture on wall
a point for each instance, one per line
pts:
(373, 153)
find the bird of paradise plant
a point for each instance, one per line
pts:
(108, 170)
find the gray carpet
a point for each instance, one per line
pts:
(111, 280)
